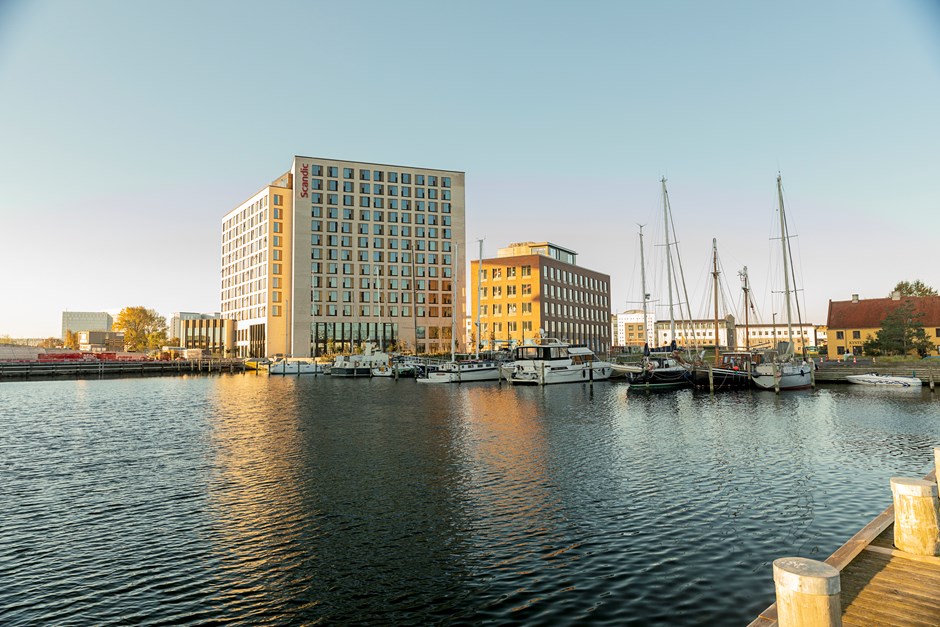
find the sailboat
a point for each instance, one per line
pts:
(780, 369)
(663, 369)
(731, 369)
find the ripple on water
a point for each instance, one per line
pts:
(283, 501)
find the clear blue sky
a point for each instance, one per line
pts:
(128, 129)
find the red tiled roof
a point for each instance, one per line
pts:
(870, 312)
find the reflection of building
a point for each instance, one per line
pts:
(216, 335)
(335, 253)
(532, 286)
(629, 330)
(76, 321)
(852, 322)
(176, 321)
(100, 341)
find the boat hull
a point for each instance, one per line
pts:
(351, 371)
(575, 373)
(883, 380)
(790, 377)
(721, 378)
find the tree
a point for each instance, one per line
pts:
(917, 288)
(50, 342)
(144, 329)
(71, 339)
(901, 332)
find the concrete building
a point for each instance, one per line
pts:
(216, 335)
(629, 332)
(852, 322)
(732, 335)
(336, 253)
(76, 321)
(175, 322)
(534, 289)
(101, 341)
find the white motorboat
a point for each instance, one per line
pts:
(394, 370)
(551, 361)
(359, 364)
(296, 365)
(464, 371)
(884, 380)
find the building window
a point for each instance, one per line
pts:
(840, 335)
(856, 335)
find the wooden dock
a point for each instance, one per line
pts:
(94, 369)
(880, 584)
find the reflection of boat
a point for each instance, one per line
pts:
(464, 371)
(783, 371)
(296, 365)
(359, 365)
(552, 361)
(884, 380)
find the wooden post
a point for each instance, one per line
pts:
(916, 516)
(591, 374)
(808, 593)
(711, 379)
(930, 377)
(776, 378)
(543, 372)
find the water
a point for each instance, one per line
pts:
(248, 500)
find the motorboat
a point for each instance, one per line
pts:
(359, 364)
(294, 365)
(394, 370)
(548, 360)
(884, 380)
(464, 371)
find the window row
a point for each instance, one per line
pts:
(366, 174)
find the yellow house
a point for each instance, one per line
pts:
(852, 322)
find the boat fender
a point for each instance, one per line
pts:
(584, 374)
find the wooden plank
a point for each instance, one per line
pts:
(927, 559)
(847, 552)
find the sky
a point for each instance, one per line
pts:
(127, 130)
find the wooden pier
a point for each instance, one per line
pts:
(880, 584)
(94, 369)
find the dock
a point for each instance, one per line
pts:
(94, 369)
(832, 372)
(880, 584)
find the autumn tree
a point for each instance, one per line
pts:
(144, 329)
(50, 342)
(916, 288)
(71, 339)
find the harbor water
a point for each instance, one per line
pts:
(251, 500)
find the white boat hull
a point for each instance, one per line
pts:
(295, 367)
(463, 373)
(524, 374)
(789, 376)
(884, 380)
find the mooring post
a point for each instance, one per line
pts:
(777, 376)
(930, 377)
(711, 379)
(591, 374)
(808, 593)
(543, 372)
(916, 516)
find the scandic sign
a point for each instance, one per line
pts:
(304, 183)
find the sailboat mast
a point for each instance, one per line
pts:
(747, 308)
(646, 331)
(786, 271)
(715, 281)
(479, 296)
(672, 317)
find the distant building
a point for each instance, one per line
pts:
(533, 289)
(76, 321)
(630, 332)
(100, 341)
(734, 336)
(215, 335)
(852, 322)
(761, 336)
(175, 326)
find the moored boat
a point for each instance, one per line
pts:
(884, 380)
(662, 371)
(297, 365)
(359, 364)
(464, 371)
(551, 361)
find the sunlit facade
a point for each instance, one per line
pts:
(336, 253)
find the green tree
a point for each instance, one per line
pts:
(901, 333)
(917, 288)
(144, 329)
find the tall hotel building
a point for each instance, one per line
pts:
(336, 253)
(537, 289)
